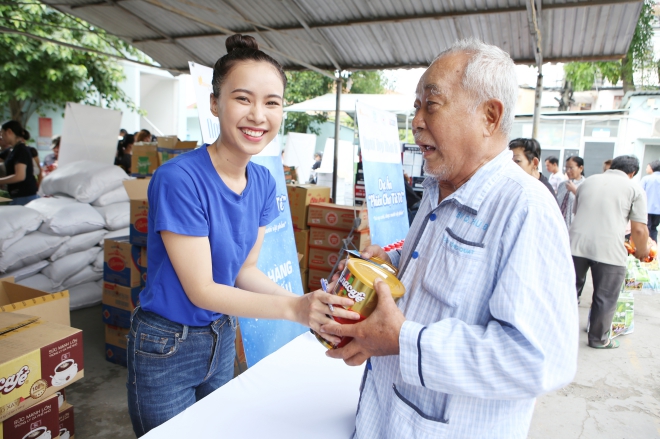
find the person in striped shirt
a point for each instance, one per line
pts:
(489, 318)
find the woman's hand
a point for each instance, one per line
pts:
(312, 310)
(571, 187)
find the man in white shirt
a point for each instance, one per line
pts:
(488, 322)
(556, 177)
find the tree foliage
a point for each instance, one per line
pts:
(37, 75)
(307, 84)
(583, 75)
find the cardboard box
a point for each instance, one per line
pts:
(120, 297)
(302, 246)
(37, 358)
(144, 159)
(115, 316)
(170, 147)
(301, 196)
(304, 276)
(338, 217)
(67, 426)
(120, 263)
(51, 307)
(40, 420)
(116, 344)
(137, 192)
(320, 237)
(322, 258)
(314, 275)
(142, 266)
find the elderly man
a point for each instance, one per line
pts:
(489, 318)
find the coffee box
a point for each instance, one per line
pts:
(18, 298)
(302, 246)
(320, 237)
(37, 359)
(170, 147)
(144, 159)
(322, 258)
(115, 344)
(120, 297)
(41, 421)
(142, 266)
(120, 262)
(338, 217)
(115, 316)
(139, 209)
(314, 278)
(67, 427)
(300, 197)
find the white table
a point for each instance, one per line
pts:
(296, 392)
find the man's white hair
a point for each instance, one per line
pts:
(489, 74)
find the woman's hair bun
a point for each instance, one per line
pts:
(238, 41)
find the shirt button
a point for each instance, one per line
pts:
(433, 217)
(415, 255)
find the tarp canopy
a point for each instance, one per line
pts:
(327, 35)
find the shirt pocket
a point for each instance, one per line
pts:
(458, 267)
(408, 421)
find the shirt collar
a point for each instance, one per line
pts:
(472, 193)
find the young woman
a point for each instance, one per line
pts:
(527, 155)
(20, 180)
(125, 152)
(208, 210)
(567, 190)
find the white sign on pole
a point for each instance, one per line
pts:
(299, 152)
(203, 88)
(89, 133)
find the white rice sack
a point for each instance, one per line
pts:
(28, 271)
(39, 282)
(87, 274)
(84, 180)
(97, 265)
(85, 295)
(16, 222)
(117, 216)
(69, 265)
(116, 234)
(118, 195)
(67, 217)
(30, 249)
(79, 243)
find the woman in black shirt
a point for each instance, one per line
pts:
(20, 181)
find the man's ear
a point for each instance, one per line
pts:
(214, 104)
(493, 113)
(535, 162)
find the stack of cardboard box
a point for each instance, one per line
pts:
(148, 156)
(329, 225)
(300, 197)
(40, 354)
(125, 274)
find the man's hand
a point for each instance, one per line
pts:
(377, 335)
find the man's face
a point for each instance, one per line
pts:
(551, 167)
(448, 132)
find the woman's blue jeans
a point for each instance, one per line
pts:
(22, 201)
(171, 366)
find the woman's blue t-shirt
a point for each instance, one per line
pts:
(188, 197)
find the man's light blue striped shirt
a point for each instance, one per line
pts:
(491, 313)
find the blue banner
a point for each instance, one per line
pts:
(279, 260)
(385, 191)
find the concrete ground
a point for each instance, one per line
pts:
(615, 394)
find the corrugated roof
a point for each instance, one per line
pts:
(361, 34)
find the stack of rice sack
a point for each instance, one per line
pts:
(55, 243)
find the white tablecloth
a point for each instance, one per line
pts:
(297, 392)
